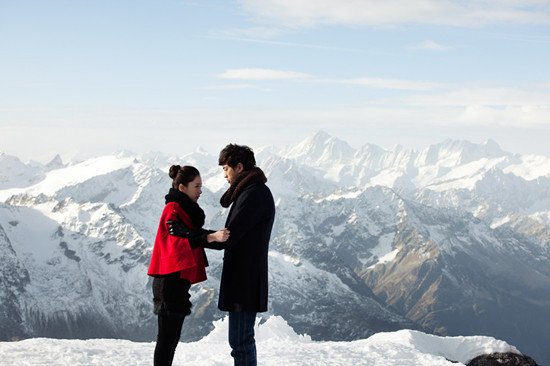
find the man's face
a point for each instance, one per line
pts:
(231, 173)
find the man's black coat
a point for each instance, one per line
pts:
(244, 278)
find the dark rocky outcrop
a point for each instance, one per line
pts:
(502, 359)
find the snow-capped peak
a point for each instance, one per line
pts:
(55, 163)
(58, 179)
(15, 173)
(321, 148)
(450, 153)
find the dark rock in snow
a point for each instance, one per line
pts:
(502, 359)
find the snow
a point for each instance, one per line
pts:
(277, 344)
(465, 176)
(336, 196)
(383, 251)
(285, 257)
(386, 179)
(531, 167)
(70, 176)
(14, 173)
(386, 258)
(501, 221)
(284, 267)
(338, 230)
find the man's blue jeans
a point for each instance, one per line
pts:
(241, 337)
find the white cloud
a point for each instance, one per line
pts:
(395, 84)
(262, 33)
(262, 74)
(235, 87)
(430, 46)
(485, 96)
(467, 13)
(257, 74)
(226, 36)
(507, 107)
(35, 132)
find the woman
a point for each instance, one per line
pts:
(178, 259)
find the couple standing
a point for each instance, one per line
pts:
(179, 260)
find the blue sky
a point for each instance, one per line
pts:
(83, 78)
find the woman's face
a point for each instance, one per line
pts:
(193, 189)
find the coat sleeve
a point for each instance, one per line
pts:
(174, 213)
(200, 241)
(251, 208)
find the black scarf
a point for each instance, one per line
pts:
(243, 180)
(191, 208)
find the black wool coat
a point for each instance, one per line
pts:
(243, 284)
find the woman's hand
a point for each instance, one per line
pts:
(219, 236)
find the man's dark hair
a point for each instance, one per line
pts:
(234, 154)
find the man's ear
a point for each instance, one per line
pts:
(239, 168)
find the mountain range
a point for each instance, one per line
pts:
(452, 239)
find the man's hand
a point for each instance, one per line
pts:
(219, 236)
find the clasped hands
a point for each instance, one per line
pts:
(219, 236)
(178, 228)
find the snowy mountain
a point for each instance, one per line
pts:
(14, 173)
(451, 239)
(98, 219)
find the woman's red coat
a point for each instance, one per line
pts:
(173, 253)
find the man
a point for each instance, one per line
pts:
(243, 288)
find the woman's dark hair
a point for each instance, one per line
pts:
(234, 154)
(182, 175)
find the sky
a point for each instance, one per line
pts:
(85, 78)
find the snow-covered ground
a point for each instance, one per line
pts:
(277, 345)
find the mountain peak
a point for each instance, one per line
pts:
(458, 152)
(55, 163)
(201, 150)
(321, 136)
(492, 145)
(321, 147)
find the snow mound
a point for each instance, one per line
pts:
(274, 329)
(277, 344)
(461, 349)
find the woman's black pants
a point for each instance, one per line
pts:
(168, 337)
(172, 305)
